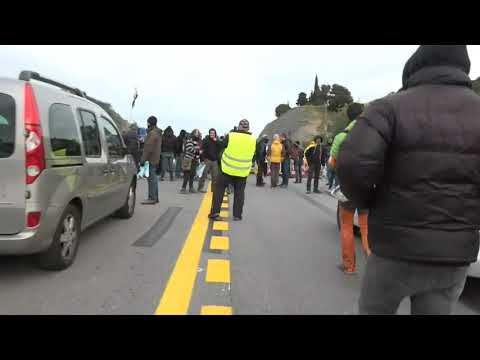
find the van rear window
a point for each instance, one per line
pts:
(7, 125)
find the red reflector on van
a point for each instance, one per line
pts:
(33, 219)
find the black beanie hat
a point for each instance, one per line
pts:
(152, 121)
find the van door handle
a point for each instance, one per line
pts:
(106, 172)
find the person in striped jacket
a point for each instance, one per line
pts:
(191, 155)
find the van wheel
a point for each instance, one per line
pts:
(128, 209)
(63, 250)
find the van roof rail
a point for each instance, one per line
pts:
(29, 75)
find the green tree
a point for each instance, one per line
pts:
(302, 99)
(325, 94)
(340, 96)
(316, 96)
(281, 109)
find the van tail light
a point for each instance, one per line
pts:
(33, 219)
(34, 150)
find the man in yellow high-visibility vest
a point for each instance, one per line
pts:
(236, 164)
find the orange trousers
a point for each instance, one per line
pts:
(347, 238)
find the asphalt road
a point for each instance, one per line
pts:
(281, 259)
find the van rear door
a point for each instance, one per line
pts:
(12, 159)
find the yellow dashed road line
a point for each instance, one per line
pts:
(219, 243)
(216, 310)
(178, 292)
(224, 214)
(218, 271)
(220, 225)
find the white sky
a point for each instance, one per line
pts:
(214, 86)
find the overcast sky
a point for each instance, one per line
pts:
(214, 86)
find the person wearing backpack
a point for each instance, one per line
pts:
(313, 155)
(347, 209)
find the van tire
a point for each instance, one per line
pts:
(128, 209)
(57, 257)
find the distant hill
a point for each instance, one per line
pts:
(304, 122)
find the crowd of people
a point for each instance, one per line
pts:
(180, 156)
(408, 164)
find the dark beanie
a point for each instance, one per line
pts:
(152, 121)
(437, 55)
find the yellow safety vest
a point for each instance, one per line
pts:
(237, 157)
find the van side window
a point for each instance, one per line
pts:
(90, 134)
(7, 125)
(64, 137)
(114, 141)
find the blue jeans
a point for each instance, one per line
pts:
(331, 177)
(285, 172)
(178, 166)
(153, 183)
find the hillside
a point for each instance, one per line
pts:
(304, 122)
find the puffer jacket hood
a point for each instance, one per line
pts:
(168, 131)
(437, 64)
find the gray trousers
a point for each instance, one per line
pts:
(274, 172)
(433, 289)
(167, 164)
(212, 168)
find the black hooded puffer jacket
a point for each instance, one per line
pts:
(169, 142)
(413, 159)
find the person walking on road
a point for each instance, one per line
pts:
(413, 159)
(179, 153)
(287, 146)
(132, 142)
(313, 155)
(210, 155)
(297, 157)
(237, 161)
(347, 209)
(326, 147)
(260, 158)
(151, 153)
(190, 159)
(169, 144)
(331, 175)
(275, 155)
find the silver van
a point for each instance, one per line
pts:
(63, 167)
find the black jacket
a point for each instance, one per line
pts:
(211, 149)
(133, 144)
(180, 142)
(413, 159)
(287, 145)
(325, 154)
(313, 154)
(261, 151)
(169, 141)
